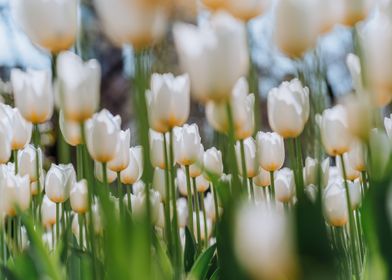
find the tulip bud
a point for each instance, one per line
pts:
(159, 182)
(51, 25)
(48, 212)
(262, 179)
(166, 93)
(97, 218)
(288, 108)
(310, 171)
(242, 105)
(134, 170)
(270, 147)
(79, 197)
(351, 173)
(246, 9)
(334, 122)
(98, 172)
(335, 204)
(354, 188)
(202, 184)
(71, 130)
(186, 144)
(33, 94)
(21, 129)
(356, 156)
(77, 86)
(210, 207)
(200, 53)
(121, 159)
(212, 161)
(202, 225)
(157, 149)
(284, 185)
(182, 212)
(59, 181)
(15, 193)
(182, 183)
(102, 133)
(6, 135)
(34, 185)
(27, 162)
(196, 169)
(251, 162)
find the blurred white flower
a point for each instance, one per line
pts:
(263, 178)
(48, 212)
(157, 148)
(271, 152)
(186, 144)
(356, 157)
(15, 191)
(202, 225)
(251, 160)
(196, 169)
(27, 162)
(335, 204)
(202, 184)
(212, 162)
(6, 134)
(71, 130)
(310, 171)
(351, 173)
(59, 182)
(182, 212)
(98, 172)
(159, 182)
(284, 185)
(355, 190)
(79, 197)
(134, 170)
(122, 157)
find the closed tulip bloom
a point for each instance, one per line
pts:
(202, 184)
(50, 24)
(210, 207)
(334, 122)
(21, 129)
(356, 156)
(355, 11)
(102, 134)
(207, 54)
(16, 193)
(246, 9)
(59, 181)
(134, 170)
(6, 135)
(351, 173)
(33, 94)
(310, 171)
(98, 172)
(181, 182)
(48, 212)
(335, 204)
(77, 86)
(262, 179)
(331, 12)
(288, 108)
(359, 109)
(27, 162)
(202, 225)
(354, 188)
(186, 144)
(212, 161)
(270, 146)
(97, 218)
(156, 149)
(70, 130)
(297, 25)
(34, 185)
(376, 45)
(182, 212)
(164, 99)
(135, 22)
(79, 197)
(196, 169)
(284, 185)
(159, 182)
(251, 161)
(242, 105)
(121, 159)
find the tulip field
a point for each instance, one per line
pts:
(273, 180)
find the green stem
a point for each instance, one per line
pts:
(15, 156)
(272, 186)
(252, 191)
(216, 206)
(203, 208)
(79, 162)
(197, 215)
(129, 190)
(189, 195)
(168, 229)
(299, 169)
(244, 170)
(293, 164)
(353, 248)
(57, 221)
(36, 139)
(80, 220)
(120, 193)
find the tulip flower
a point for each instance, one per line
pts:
(212, 162)
(262, 179)
(79, 197)
(288, 108)
(102, 134)
(335, 204)
(354, 188)
(122, 158)
(164, 99)
(49, 24)
(334, 122)
(202, 225)
(284, 185)
(196, 169)
(33, 94)
(38, 188)
(331, 13)
(48, 212)
(246, 9)
(376, 45)
(71, 130)
(27, 162)
(182, 212)
(156, 149)
(263, 242)
(310, 171)
(77, 86)
(97, 218)
(181, 182)
(202, 184)
(98, 172)
(135, 22)
(59, 181)
(242, 105)
(15, 193)
(270, 146)
(134, 170)
(297, 25)
(210, 207)
(355, 11)
(250, 154)
(186, 144)
(356, 156)
(6, 135)
(208, 53)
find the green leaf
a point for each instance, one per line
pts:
(215, 275)
(202, 264)
(190, 250)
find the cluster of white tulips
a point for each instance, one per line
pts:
(175, 206)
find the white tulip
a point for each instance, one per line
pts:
(196, 169)
(122, 158)
(134, 170)
(311, 191)
(16, 193)
(102, 133)
(139, 187)
(210, 207)
(263, 242)
(202, 184)
(356, 10)
(71, 130)
(242, 105)
(202, 225)
(351, 173)
(354, 188)
(208, 53)
(34, 185)
(310, 171)
(186, 144)
(49, 24)
(33, 94)
(59, 181)
(288, 108)
(168, 101)
(263, 178)
(182, 182)
(48, 212)
(98, 172)
(284, 185)
(270, 147)
(97, 218)
(356, 156)
(182, 212)
(77, 86)
(212, 161)
(246, 9)
(335, 204)
(381, 159)
(27, 162)
(79, 197)
(21, 129)
(76, 228)
(159, 182)
(333, 122)
(251, 160)
(6, 134)
(157, 149)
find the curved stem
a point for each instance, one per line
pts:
(216, 206)
(168, 229)
(197, 214)
(203, 208)
(189, 200)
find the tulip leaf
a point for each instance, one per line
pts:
(202, 265)
(215, 275)
(190, 250)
